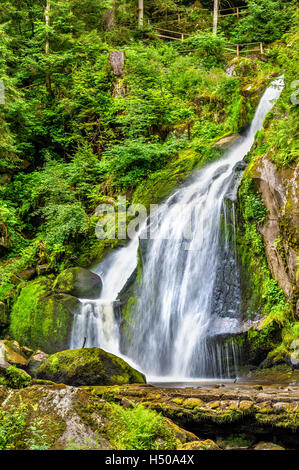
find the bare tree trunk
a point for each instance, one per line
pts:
(140, 13)
(215, 17)
(47, 17)
(47, 46)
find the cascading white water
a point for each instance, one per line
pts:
(175, 314)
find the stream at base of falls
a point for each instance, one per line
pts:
(189, 295)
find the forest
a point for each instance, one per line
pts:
(105, 101)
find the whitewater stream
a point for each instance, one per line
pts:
(189, 294)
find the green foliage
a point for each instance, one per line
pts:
(16, 378)
(139, 428)
(134, 160)
(265, 20)
(209, 48)
(254, 209)
(18, 432)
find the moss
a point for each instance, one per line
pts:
(16, 378)
(90, 366)
(79, 282)
(235, 441)
(161, 183)
(192, 403)
(139, 428)
(41, 319)
(208, 444)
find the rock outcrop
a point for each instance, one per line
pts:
(62, 417)
(221, 411)
(280, 231)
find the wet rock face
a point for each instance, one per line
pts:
(79, 282)
(280, 232)
(90, 366)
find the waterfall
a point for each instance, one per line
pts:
(189, 294)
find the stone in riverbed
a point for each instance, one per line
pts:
(79, 282)
(90, 366)
(208, 444)
(267, 446)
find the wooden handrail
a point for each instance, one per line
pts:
(233, 8)
(244, 49)
(175, 32)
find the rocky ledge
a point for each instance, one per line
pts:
(261, 412)
(46, 415)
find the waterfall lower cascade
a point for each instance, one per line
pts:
(189, 295)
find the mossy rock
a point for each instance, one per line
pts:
(41, 319)
(11, 352)
(90, 366)
(208, 444)
(267, 446)
(12, 377)
(79, 282)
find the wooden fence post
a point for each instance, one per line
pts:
(182, 36)
(238, 50)
(261, 47)
(237, 12)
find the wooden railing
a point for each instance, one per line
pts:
(171, 35)
(245, 48)
(233, 11)
(178, 17)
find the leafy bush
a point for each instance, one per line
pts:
(133, 160)
(139, 428)
(266, 21)
(209, 48)
(17, 432)
(17, 378)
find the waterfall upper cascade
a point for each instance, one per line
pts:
(189, 294)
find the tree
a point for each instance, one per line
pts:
(215, 17)
(140, 13)
(47, 47)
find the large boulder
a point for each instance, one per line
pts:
(79, 282)
(41, 319)
(90, 366)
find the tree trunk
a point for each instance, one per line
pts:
(47, 46)
(140, 13)
(215, 17)
(47, 18)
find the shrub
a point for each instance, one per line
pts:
(210, 48)
(139, 428)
